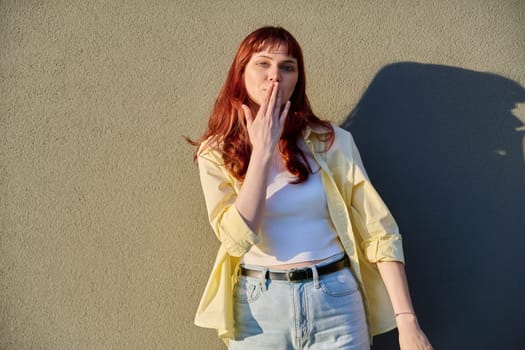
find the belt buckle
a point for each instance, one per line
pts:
(296, 274)
(289, 275)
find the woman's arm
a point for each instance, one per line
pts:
(382, 245)
(410, 334)
(236, 216)
(264, 131)
(251, 199)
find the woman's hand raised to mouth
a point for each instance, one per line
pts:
(266, 128)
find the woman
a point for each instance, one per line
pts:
(310, 256)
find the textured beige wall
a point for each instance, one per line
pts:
(104, 240)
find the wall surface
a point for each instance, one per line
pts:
(104, 241)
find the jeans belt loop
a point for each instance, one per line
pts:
(264, 279)
(289, 274)
(315, 277)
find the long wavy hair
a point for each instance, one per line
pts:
(227, 125)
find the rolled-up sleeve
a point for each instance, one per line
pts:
(381, 240)
(219, 194)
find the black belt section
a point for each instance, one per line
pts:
(295, 275)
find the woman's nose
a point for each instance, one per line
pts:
(274, 75)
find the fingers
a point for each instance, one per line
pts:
(270, 109)
(264, 107)
(247, 114)
(278, 101)
(273, 99)
(284, 113)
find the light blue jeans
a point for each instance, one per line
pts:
(325, 313)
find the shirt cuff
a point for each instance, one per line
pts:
(238, 237)
(384, 248)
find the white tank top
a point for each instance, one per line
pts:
(296, 226)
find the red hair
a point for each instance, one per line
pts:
(227, 126)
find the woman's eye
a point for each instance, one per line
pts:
(263, 64)
(289, 68)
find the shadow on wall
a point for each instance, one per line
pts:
(443, 148)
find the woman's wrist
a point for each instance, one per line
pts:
(406, 320)
(261, 154)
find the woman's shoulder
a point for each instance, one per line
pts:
(343, 139)
(340, 132)
(209, 145)
(209, 150)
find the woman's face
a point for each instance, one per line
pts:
(267, 67)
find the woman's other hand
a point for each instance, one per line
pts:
(411, 337)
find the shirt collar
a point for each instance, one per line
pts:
(313, 130)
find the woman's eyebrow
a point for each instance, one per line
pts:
(293, 60)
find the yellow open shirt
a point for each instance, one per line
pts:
(365, 227)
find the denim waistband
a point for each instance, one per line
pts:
(315, 275)
(327, 261)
